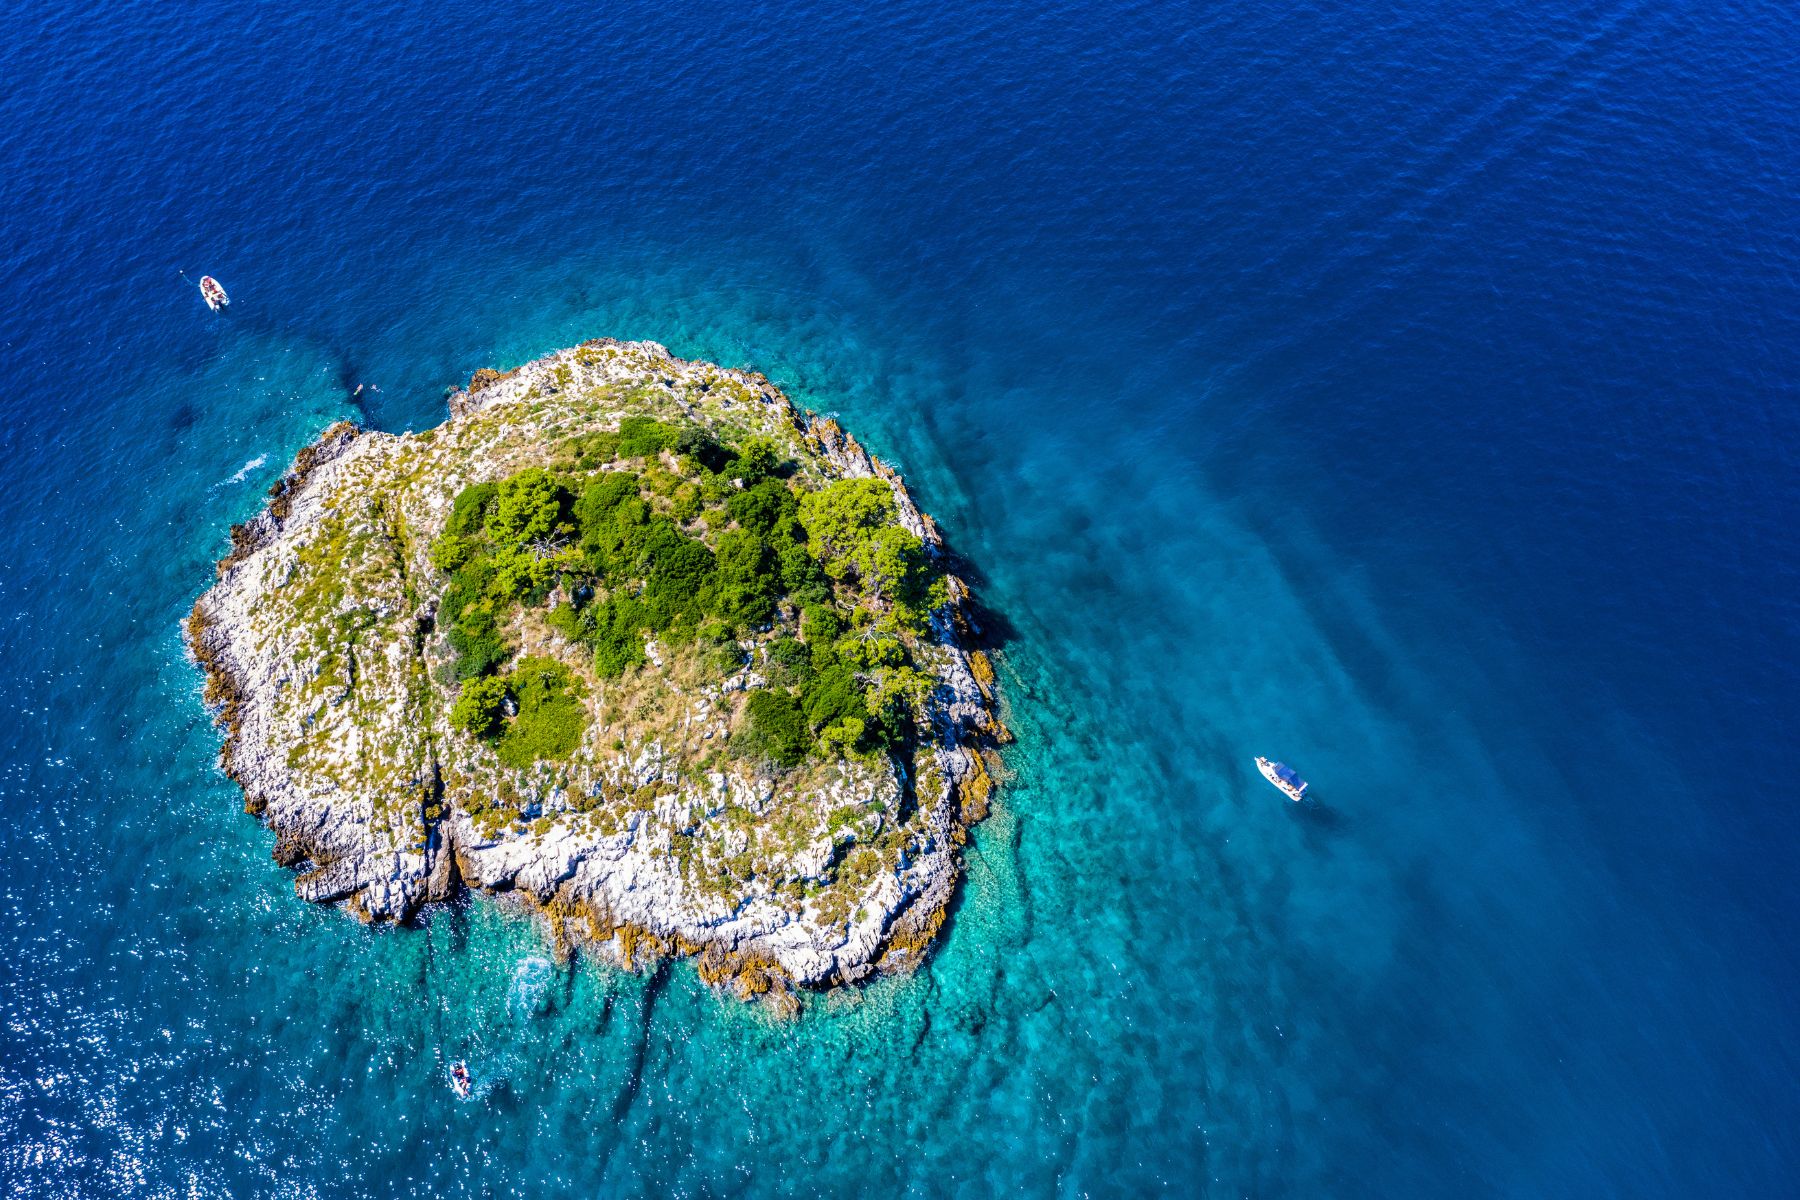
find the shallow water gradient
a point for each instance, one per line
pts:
(1406, 394)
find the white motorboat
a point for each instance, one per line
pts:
(213, 292)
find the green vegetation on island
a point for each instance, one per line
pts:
(659, 531)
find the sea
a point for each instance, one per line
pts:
(1409, 392)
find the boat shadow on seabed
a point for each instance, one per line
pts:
(1313, 815)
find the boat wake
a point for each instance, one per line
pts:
(243, 472)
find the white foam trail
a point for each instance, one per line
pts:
(252, 465)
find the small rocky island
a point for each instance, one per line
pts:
(629, 640)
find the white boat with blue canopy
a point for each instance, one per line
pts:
(1283, 777)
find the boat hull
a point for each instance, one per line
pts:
(1269, 772)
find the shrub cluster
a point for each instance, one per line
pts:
(550, 719)
(545, 699)
(704, 554)
(854, 530)
(504, 544)
(816, 699)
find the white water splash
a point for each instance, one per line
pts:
(243, 472)
(529, 993)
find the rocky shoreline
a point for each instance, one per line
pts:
(327, 673)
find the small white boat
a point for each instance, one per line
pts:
(461, 1082)
(213, 292)
(1283, 777)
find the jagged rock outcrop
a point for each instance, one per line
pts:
(334, 683)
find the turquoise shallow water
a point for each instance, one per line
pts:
(1406, 398)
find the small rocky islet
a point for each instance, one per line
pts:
(628, 640)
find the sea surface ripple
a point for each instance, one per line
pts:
(1404, 391)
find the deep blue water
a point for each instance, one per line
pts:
(1407, 391)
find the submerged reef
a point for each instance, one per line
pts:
(629, 640)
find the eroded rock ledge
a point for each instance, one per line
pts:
(666, 829)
